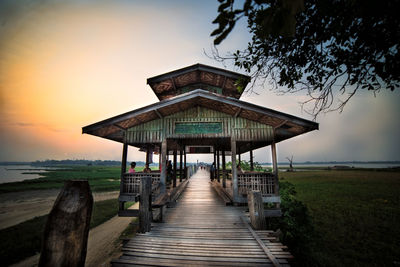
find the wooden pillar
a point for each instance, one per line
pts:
(275, 167)
(180, 165)
(67, 227)
(218, 180)
(159, 160)
(145, 211)
(251, 161)
(147, 155)
(174, 170)
(239, 158)
(256, 210)
(123, 171)
(163, 160)
(234, 171)
(223, 169)
(184, 158)
(215, 164)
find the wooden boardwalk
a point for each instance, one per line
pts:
(201, 231)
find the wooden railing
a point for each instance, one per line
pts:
(131, 182)
(257, 181)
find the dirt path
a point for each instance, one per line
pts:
(17, 207)
(101, 244)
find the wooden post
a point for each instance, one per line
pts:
(174, 170)
(223, 170)
(215, 163)
(239, 158)
(145, 212)
(251, 161)
(123, 171)
(180, 165)
(184, 158)
(256, 210)
(163, 176)
(159, 160)
(234, 171)
(67, 227)
(275, 167)
(218, 180)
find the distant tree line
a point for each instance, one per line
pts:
(78, 162)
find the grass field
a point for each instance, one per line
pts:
(101, 178)
(24, 240)
(356, 214)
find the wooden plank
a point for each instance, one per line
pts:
(128, 213)
(177, 191)
(265, 248)
(145, 212)
(197, 258)
(256, 210)
(128, 261)
(193, 253)
(273, 213)
(201, 231)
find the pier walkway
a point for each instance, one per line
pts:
(201, 231)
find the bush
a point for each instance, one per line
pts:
(297, 230)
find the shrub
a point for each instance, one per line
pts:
(297, 230)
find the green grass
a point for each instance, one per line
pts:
(24, 240)
(101, 178)
(356, 214)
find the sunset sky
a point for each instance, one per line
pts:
(68, 64)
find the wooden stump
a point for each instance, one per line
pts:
(67, 227)
(256, 209)
(145, 209)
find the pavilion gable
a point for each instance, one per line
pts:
(199, 122)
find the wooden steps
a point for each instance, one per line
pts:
(200, 230)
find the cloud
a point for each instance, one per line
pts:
(42, 126)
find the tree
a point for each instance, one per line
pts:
(290, 163)
(330, 49)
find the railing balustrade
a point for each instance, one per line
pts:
(257, 181)
(131, 182)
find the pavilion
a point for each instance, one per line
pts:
(200, 112)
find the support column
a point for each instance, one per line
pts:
(215, 164)
(234, 171)
(275, 167)
(218, 180)
(180, 165)
(174, 170)
(251, 161)
(159, 160)
(147, 155)
(184, 156)
(123, 171)
(223, 169)
(145, 212)
(239, 159)
(163, 160)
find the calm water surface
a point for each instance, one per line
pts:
(15, 173)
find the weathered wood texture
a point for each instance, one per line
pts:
(257, 181)
(67, 227)
(131, 182)
(256, 209)
(201, 231)
(243, 129)
(145, 210)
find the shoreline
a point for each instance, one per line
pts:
(17, 207)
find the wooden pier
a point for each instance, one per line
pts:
(200, 230)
